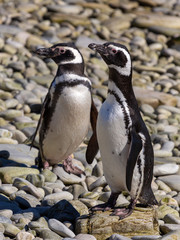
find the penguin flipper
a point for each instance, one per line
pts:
(135, 148)
(93, 146)
(45, 103)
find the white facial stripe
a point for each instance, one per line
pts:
(126, 70)
(77, 55)
(112, 86)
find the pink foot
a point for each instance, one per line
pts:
(70, 168)
(122, 212)
(45, 165)
(101, 207)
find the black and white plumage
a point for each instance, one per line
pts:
(67, 109)
(124, 141)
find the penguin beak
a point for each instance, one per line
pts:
(100, 48)
(47, 52)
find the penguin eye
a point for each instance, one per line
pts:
(62, 50)
(114, 51)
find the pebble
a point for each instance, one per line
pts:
(172, 181)
(172, 219)
(60, 228)
(48, 234)
(163, 210)
(10, 229)
(171, 235)
(25, 185)
(20, 153)
(151, 38)
(66, 177)
(146, 237)
(100, 182)
(24, 236)
(8, 173)
(82, 236)
(165, 169)
(118, 237)
(53, 198)
(166, 228)
(49, 176)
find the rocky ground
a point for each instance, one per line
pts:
(32, 203)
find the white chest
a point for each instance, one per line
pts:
(69, 123)
(113, 143)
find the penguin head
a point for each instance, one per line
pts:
(115, 55)
(62, 53)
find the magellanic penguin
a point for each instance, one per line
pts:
(124, 141)
(67, 110)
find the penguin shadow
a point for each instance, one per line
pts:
(5, 160)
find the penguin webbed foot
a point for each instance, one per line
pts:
(122, 212)
(125, 212)
(101, 207)
(69, 167)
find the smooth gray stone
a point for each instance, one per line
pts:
(17, 66)
(173, 181)
(8, 189)
(25, 96)
(49, 176)
(4, 219)
(82, 236)
(20, 153)
(98, 170)
(6, 213)
(167, 227)
(47, 234)
(76, 190)
(11, 229)
(58, 184)
(24, 236)
(172, 219)
(38, 224)
(27, 201)
(59, 228)
(67, 178)
(146, 237)
(165, 169)
(53, 198)
(25, 185)
(100, 182)
(171, 235)
(118, 237)
(36, 179)
(1, 235)
(10, 29)
(83, 41)
(63, 211)
(40, 65)
(68, 9)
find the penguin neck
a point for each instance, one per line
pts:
(77, 69)
(122, 83)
